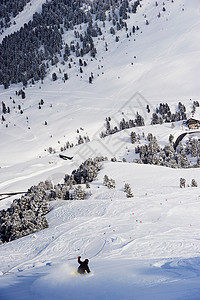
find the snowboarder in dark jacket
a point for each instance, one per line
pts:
(83, 268)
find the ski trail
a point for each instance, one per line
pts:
(99, 250)
(49, 251)
(181, 39)
(21, 178)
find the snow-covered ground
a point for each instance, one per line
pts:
(23, 17)
(145, 247)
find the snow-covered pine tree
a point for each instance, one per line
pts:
(182, 182)
(54, 76)
(128, 191)
(4, 110)
(79, 193)
(109, 182)
(48, 184)
(194, 147)
(184, 161)
(80, 140)
(133, 137)
(171, 138)
(87, 185)
(105, 180)
(194, 183)
(113, 159)
(25, 216)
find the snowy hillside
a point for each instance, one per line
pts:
(165, 70)
(23, 17)
(145, 246)
(126, 102)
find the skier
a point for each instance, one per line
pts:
(83, 268)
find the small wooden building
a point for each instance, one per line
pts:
(193, 123)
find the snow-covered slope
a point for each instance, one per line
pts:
(23, 17)
(145, 247)
(165, 70)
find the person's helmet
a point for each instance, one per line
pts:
(87, 261)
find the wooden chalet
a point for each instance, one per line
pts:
(193, 123)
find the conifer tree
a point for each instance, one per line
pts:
(4, 110)
(128, 191)
(194, 183)
(54, 76)
(182, 183)
(79, 193)
(133, 137)
(87, 185)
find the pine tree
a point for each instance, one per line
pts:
(65, 76)
(87, 185)
(112, 31)
(66, 195)
(79, 193)
(80, 62)
(128, 191)
(54, 76)
(105, 180)
(4, 110)
(194, 183)
(182, 183)
(80, 140)
(111, 184)
(171, 138)
(133, 137)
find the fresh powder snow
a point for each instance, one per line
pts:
(144, 247)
